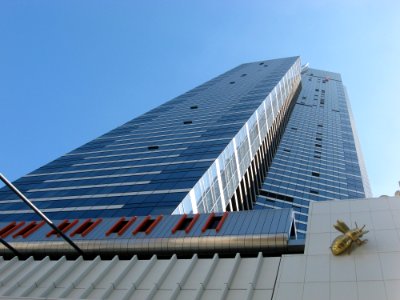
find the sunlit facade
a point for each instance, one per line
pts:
(263, 135)
(199, 152)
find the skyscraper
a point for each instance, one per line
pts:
(187, 155)
(212, 149)
(227, 170)
(319, 157)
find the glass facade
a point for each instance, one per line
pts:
(187, 155)
(262, 135)
(215, 189)
(319, 157)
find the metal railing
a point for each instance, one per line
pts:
(40, 214)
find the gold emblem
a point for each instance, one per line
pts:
(345, 241)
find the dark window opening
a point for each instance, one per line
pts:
(120, 224)
(316, 174)
(320, 125)
(292, 231)
(243, 75)
(81, 229)
(187, 122)
(276, 196)
(318, 139)
(152, 147)
(213, 224)
(26, 229)
(145, 225)
(317, 156)
(314, 192)
(294, 128)
(286, 150)
(194, 107)
(317, 90)
(185, 224)
(63, 226)
(232, 82)
(318, 145)
(261, 63)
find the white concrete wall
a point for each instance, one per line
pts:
(371, 271)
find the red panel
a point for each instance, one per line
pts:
(115, 226)
(141, 224)
(51, 232)
(25, 229)
(187, 230)
(12, 229)
(68, 227)
(7, 228)
(91, 227)
(156, 221)
(29, 232)
(181, 220)
(125, 228)
(209, 219)
(62, 228)
(80, 227)
(225, 215)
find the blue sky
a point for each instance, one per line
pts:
(72, 70)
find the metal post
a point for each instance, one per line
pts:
(38, 212)
(11, 248)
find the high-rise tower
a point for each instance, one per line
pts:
(206, 150)
(319, 157)
(262, 135)
(200, 197)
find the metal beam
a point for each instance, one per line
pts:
(38, 212)
(11, 248)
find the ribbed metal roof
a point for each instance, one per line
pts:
(194, 278)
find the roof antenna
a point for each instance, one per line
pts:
(38, 212)
(304, 68)
(397, 193)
